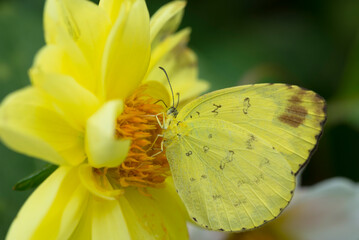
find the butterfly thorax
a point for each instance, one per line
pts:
(172, 111)
(173, 128)
(170, 117)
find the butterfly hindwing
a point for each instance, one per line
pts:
(289, 117)
(229, 178)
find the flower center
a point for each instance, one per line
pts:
(146, 164)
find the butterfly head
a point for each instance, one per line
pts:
(172, 111)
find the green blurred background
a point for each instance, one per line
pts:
(313, 44)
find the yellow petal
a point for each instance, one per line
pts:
(85, 22)
(182, 69)
(77, 103)
(112, 8)
(98, 185)
(103, 219)
(66, 59)
(166, 20)
(165, 47)
(160, 216)
(30, 124)
(158, 91)
(102, 147)
(108, 221)
(127, 51)
(53, 210)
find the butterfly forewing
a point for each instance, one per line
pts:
(289, 117)
(229, 178)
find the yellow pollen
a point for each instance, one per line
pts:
(139, 124)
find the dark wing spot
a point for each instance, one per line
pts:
(188, 153)
(205, 148)
(216, 196)
(246, 105)
(294, 114)
(295, 99)
(243, 229)
(221, 229)
(222, 165)
(264, 162)
(194, 219)
(259, 178)
(210, 135)
(216, 108)
(204, 176)
(192, 179)
(249, 142)
(229, 158)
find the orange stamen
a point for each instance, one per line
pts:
(139, 124)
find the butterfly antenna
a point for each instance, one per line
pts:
(178, 97)
(173, 97)
(160, 100)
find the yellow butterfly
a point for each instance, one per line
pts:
(234, 153)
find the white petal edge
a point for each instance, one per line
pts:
(326, 211)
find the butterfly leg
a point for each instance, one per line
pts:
(162, 125)
(159, 135)
(154, 142)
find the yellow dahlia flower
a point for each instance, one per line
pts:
(90, 109)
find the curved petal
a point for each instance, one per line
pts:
(85, 22)
(159, 216)
(30, 124)
(112, 8)
(157, 91)
(102, 147)
(103, 219)
(165, 47)
(77, 102)
(53, 210)
(98, 184)
(166, 20)
(181, 66)
(66, 60)
(127, 51)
